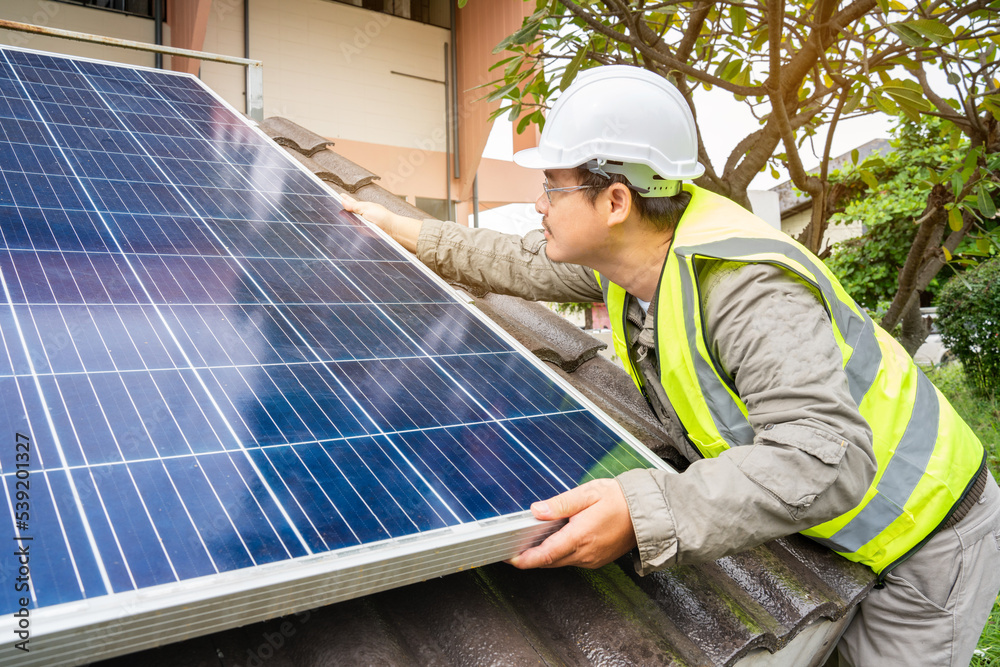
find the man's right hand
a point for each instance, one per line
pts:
(403, 230)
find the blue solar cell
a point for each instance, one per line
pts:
(220, 368)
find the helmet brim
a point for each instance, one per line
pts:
(533, 159)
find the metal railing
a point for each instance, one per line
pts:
(254, 68)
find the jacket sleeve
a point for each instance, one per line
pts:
(811, 458)
(503, 263)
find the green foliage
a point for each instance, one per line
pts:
(888, 193)
(573, 308)
(988, 650)
(969, 320)
(882, 195)
(981, 413)
(867, 65)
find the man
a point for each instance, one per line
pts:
(800, 414)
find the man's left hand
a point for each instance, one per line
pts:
(599, 529)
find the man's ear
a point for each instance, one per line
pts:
(620, 203)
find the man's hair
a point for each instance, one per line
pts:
(662, 212)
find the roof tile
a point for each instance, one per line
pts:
(548, 336)
(289, 134)
(344, 173)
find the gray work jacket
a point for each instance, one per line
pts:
(811, 459)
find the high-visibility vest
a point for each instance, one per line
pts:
(927, 455)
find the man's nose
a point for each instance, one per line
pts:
(541, 203)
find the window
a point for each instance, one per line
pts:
(434, 12)
(143, 8)
(436, 208)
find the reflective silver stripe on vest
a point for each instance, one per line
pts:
(909, 462)
(900, 477)
(729, 420)
(858, 331)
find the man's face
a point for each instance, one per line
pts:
(573, 226)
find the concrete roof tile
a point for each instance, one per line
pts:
(548, 336)
(376, 193)
(286, 133)
(344, 172)
(311, 150)
(687, 615)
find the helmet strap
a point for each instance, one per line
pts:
(640, 177)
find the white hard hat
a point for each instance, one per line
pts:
(621, 119)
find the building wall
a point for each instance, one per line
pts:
(329, 67)
(765, 205)
(81, 19)
(794, 224)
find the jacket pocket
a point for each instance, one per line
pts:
(795, 464)
(532, 242)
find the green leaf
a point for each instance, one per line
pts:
(969, 165)
(739, 17)
(573, 67)
(869, 179)
(462, 3)
(525, 35)
(909, 98)
(884, 6)
(501, 92)
(501, 63)
(954, 79)
(760, 39)
(523, 123)
(854, 156)
(723, 65)
(932, 29)
(985, 202)
(909, 36)
(992, 104)
(955, 219)
(908, 94)
(732, 69)
(947, 254)
(853, 103)
(882, 103)
(743, 78)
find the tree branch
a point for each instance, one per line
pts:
(932, 217)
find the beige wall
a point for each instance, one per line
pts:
(794, 224)
(412, 172)
(81, 19)
(328, 67)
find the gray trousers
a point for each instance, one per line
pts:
(934, 606)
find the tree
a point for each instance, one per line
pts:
(968, 315)
(884, 194)
(800, 66)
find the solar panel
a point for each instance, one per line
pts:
(225, 398)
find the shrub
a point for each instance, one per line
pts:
(968, 315)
